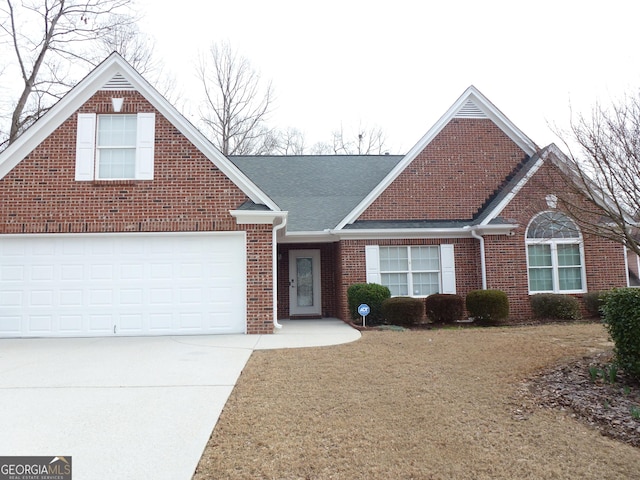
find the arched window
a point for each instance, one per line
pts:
(555, 258)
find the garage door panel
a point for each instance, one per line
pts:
(131, 271)
(132, 297)
(190, 321)
(160, 322)
(72, 272)
(11, 325)
(100, 323)
(71, 298)
(101, 298)
(42, 298)
(40, 323)
(101, 272)
(11, 298)
(70, 324)
(130, 284)
(131, 323)
(162, 271)
(42, 272)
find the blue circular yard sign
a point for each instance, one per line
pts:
(364, 310)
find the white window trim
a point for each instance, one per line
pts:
(446, 272)
(555, 268)
(87, 154)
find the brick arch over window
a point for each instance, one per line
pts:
(555, 254)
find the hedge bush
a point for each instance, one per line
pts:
(621, 315)
(488, 306)
(404, 311)
(593, 302)
(444, 307)
(555, 306)
(373, 295)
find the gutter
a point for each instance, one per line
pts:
(483, 261)
(274, 269)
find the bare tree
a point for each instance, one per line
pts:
(237, 103)
(601, 175)
(137, 48)
(134, 46)
(321, 148)
(290, 141)
(364, 141)
(46, 37)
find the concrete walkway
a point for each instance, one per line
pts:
(131, 407)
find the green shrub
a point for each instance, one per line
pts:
(488, 306)
(555, 306)
(373, 295)
(593, 302)
(404, 311)
(444, 307)
(621, 315)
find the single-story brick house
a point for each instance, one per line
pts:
(118, 217)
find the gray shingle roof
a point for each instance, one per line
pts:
(318, 191)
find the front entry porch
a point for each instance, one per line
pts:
(306, 281)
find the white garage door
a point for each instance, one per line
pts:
(122, 284)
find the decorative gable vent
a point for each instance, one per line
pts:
(470, 110)
(118, 82)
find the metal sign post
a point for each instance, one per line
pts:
(364, 310)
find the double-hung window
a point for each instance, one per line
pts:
(416, 271)
(555, 257)
(115, 146)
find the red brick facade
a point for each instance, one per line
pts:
(352, 268)
(188, 193)
(452, 177)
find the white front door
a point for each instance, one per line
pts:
(304, 282)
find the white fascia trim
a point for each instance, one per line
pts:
(261, 217)
(402, 233)
(309, 237)
(92, 83)
(519, 186)
(471, 93)
(387, 233)
(398, 233)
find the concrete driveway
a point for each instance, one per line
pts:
(130, 407)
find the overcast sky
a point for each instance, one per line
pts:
(401, 64)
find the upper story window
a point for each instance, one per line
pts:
(115, 147)
(555, 257)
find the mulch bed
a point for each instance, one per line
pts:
(579, 386)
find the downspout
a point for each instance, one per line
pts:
(483, 263)
(274, 270)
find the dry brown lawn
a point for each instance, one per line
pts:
(433, 404)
